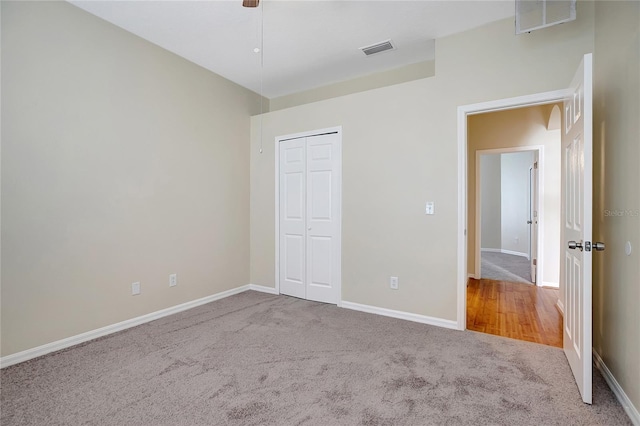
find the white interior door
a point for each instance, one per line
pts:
(577, 146)
(310, 217)
(293, 176)
(323, 218)
(533, 219)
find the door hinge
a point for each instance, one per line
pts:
(535, 165)
(535, 262)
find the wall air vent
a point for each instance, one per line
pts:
(378, 48)
(537, 14)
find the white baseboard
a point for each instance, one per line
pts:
(548, 284)
(401, 315)
(263, 289)
(491, 250)
(38, 351)
(28, 354)
(515, 253)
(622, 397)
(560, 307)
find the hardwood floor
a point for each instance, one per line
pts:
(519, 311)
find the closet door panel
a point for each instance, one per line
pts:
(323, 225)
(292, 218)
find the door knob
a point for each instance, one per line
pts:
(529, 222)
(598, 246)
(309, 229)
(573, 245)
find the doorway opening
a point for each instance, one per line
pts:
(513, 219)
(508, 213)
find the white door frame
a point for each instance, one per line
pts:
(463, 112)
(278, 139)
(534, 219)
(478, 222)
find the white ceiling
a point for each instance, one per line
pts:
(305, 43)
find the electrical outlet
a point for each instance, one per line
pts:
(393, 282)
(135, 288)
(173, 280)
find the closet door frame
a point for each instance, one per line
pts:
(338, 131)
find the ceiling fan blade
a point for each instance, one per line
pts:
(250, 3)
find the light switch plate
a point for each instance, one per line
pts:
(430, 208)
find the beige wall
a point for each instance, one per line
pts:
(121, 162)
(520, 127)
(490, 183)
(384, 225)
(400, 150)
(361, 84)
(616, 282)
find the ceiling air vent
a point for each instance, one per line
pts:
(377, 48)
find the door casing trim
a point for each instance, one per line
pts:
(463, 112)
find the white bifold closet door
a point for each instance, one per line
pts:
(309, 222)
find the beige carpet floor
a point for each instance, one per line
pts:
(257, 359)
